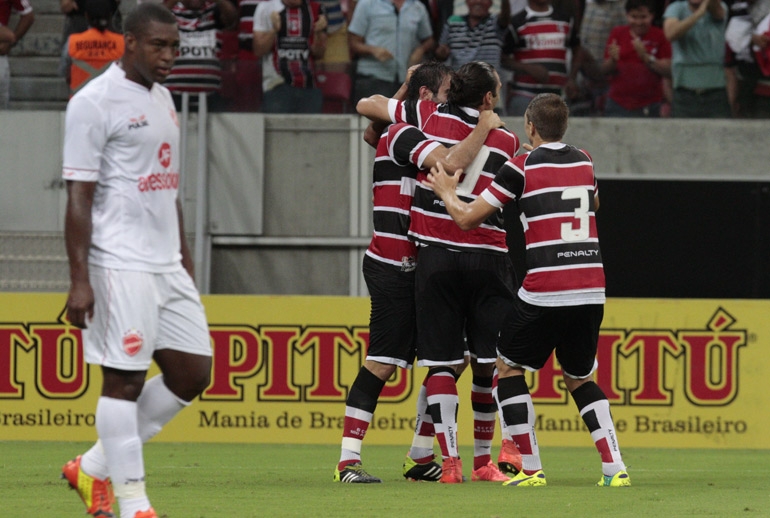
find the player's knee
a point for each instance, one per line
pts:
(189, 383)
(382, 370)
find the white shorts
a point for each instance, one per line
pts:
(138, 313)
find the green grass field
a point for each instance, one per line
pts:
(236, 480)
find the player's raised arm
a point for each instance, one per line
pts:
(374, 108)
(467, 215)
(407, 139)
(462, 154)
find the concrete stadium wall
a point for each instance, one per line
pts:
(289, 196)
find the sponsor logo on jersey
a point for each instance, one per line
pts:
(294, 54)
(546, 41)
(164, 155)
(132, 342)
(198, 52)
(138, 122)
(579, 253)
(158, 182)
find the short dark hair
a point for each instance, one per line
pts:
(471, 82)
(139, 19)
(636, 4)
(99, 13)
(430, 75)
(549, 114)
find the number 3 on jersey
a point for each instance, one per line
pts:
(568, 232)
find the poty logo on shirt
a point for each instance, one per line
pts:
(164, 155)
(137, 122)
(293, 54)
(546, 41)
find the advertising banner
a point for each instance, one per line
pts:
(678, 373)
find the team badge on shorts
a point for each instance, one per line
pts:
(132, 342)
(408, 263)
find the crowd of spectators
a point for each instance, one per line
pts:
(615, 58)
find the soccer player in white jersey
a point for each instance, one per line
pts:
(132, 289)
(560, 305)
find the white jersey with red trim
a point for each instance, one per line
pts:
(554, 188)
(125, 138)
(449, 124)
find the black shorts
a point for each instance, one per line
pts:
(460, 294)
(531, 333)
(392, 324)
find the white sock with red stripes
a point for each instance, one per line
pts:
(441, 388)
(519, 415)
(422, 442)
(359, 407)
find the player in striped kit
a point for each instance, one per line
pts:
(560, 304)
(389, 266)
(464, 280)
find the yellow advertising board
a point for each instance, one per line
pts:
(678, 373)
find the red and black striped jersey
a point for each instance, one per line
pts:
(449, 124)
(291, 60)
(197, 67)
(246, 9)
(393, 187)
(543, 39)
(554, 188)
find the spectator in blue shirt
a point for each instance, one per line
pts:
(386, 37)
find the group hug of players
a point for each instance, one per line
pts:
(443, 288)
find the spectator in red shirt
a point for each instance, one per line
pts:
(637, 58)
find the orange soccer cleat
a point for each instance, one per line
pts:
(488, 473)
(95, 493)
(452, 471)
(509, 460)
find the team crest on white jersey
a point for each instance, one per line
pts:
(132, 342)
(164, 155)
(138, 122)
